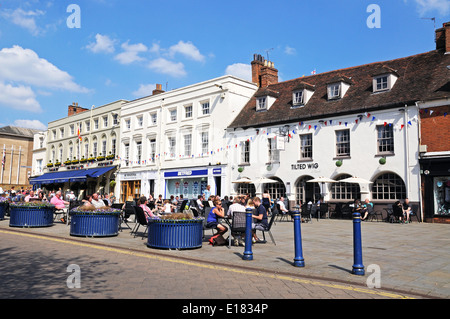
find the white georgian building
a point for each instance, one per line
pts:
(174, 142)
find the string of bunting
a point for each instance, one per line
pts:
(301, 125)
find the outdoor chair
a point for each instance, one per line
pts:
(414, 212)
(268, 230)
(207, 210)
(280, 213)
(346, 211)
(238, 225)
(60, 212)
(397, 212)
(141, 220)
(306, 212)
(323, 210)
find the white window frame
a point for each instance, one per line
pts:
(188, 111)
(296, 101)
(245, 152)
(204, 140)
(274, 153)
(261, 103)
(334, 91)
(205, 107)
(173, 115)
(171, 147)
(187, 145)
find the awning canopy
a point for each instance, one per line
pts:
(71, 176)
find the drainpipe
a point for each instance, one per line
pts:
(419, 132)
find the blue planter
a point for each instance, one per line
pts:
(175, 234)
(3, 208)
(93, 224)
(30, 216)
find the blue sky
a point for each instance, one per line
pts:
(123, 48)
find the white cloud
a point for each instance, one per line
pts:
(33, 124)
(102, 44)
(25, 66)
(19, 98)
(188, 49)
(164, 66)
(290, 51)
(130, 53)
(240, 70)
(24, 19)
(144, 90)
(426, 6)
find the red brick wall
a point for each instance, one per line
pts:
(435, 128)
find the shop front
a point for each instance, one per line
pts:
(137, 183)
(436, 189)
(192, 182)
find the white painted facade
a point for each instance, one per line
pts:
(174, 142)
(291, 170)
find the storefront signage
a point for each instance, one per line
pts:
(217, 171)
(199, 172)
(305, 166)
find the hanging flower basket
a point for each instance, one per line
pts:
(32, 214)
(338, 163)
(382, 161)
(240, 169)
(175, 231)
(88, 221)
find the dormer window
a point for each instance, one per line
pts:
(337, 87)
(384, 79)
(297, 98)
(265, 99)
(261, 104)
(385, 82)
(301, 94)
(334, 91)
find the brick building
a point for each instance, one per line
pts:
(16, 145)
(435, 137)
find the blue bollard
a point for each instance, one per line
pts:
(358, 267)
(248, 254)
(298, 260)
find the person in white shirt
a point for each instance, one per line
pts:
(96, 201)
(283, 209)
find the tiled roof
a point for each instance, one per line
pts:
(18, 131)
(420, 77)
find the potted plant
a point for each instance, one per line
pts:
(110, 156)
(338, 163)
(88, 221)
(382, 161)
(175, 231)
(50, 164)
(112, 184)
(240, 169)
(58, 163)
(75, 161)
(83, 160)
(91, 158)
(67, 162)
(100, 158)
(31, 214)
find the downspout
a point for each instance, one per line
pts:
(419, 132)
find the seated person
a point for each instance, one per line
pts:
(283, 210)
(213, 220)
(59, 203)
(365, 209)
(261, 217)
(406, 210)
(147, 211)
(167, 208)
(96, 201)
(397, 210)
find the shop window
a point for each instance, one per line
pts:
(342, 190)
(441, 192)
(388, 186)
(306, 192)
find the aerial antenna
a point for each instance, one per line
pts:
(267, 52)
(432, 19)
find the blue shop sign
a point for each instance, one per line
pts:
(217, 171)
(199, 172)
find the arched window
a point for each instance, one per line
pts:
(347, 191)
(305, 192)
(276, 190)
(244, 188)
(388, 186)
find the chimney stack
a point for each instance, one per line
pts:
(158, 89)
(443, 37)
(263, 71)
(75, 109)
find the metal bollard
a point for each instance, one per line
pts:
(298, 260)
(248, 254)
(358, 267)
